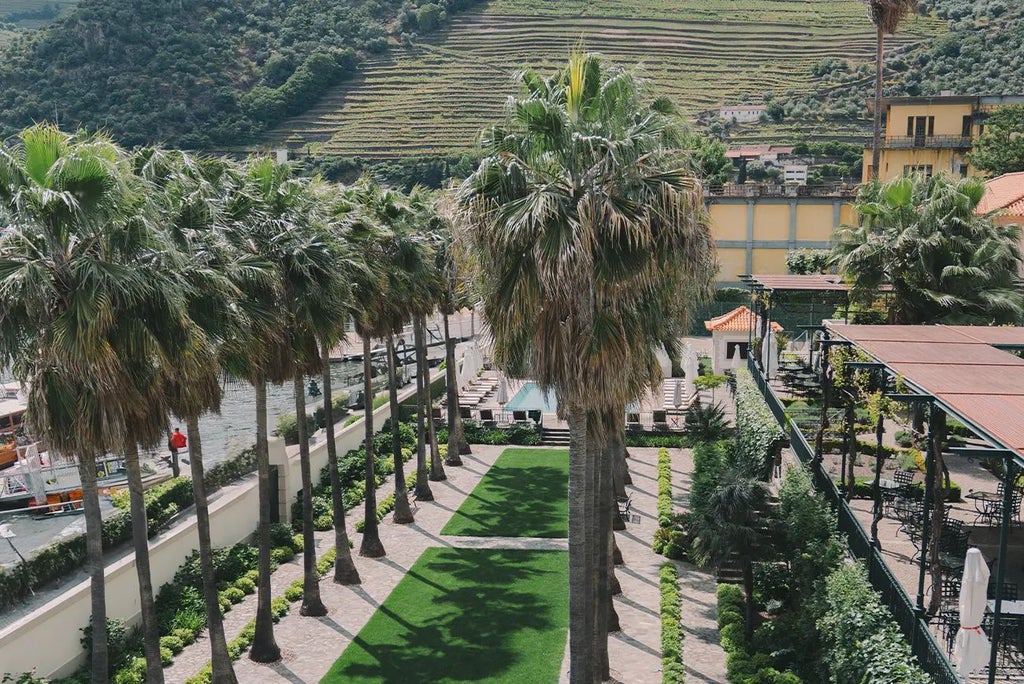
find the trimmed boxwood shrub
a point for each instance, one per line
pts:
(672, 668)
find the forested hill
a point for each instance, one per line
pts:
(195, 73)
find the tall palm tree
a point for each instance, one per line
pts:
(78, 317)
(735, 527)
(944, 264)
(189, 194)
(259, 353)
(454, 295)
(886, 15)
(581, 190)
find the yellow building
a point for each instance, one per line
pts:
(932, 134)
(755, 226)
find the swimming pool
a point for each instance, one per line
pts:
(530, 398)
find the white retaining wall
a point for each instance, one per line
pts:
(47, 640)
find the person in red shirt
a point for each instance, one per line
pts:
(178, 441)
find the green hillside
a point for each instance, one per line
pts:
(32, 13)
(435, 95)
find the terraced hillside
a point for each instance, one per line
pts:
(436, 96)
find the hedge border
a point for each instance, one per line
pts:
(672, 667)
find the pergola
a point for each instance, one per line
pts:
(968, 373)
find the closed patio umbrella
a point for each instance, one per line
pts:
(971, 649)
(502, 390)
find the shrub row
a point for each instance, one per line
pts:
(675, 441)
(65, 556)
(742, 665)
(759, 437)
(664, 488)
(672, 668)
(519, 434)
(279, 607)
(385, 505)
(862, 489)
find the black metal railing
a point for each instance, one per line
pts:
(922, 642)
(953, 142)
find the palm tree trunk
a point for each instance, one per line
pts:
(876, 149)
(582, 666)
(620, 469)
(403, 512)
(437, 473)
(140, 541)
(748, 589)
(423, 492)
(457, 444)
(264, 647)
(602, 553)
(345, 571)
(371, 546)
(311, 604)
(221, 670)
(94, 554)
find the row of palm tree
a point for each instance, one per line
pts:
(133, 283)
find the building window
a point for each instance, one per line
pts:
(732, 347)
(965, 128)
(923, 169)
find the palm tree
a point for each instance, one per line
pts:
(944, 263)
(190, 194)
(581, 191)
(453, 296)
(72, 307)
(259, 353)
(886, 15)
(735, 527)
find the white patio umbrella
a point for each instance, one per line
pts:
(691, 367)
(971, 648)
(502, 390)
(677, 396)
(770, 355)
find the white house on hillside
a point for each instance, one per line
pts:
(742, 113)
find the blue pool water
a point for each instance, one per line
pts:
(530, 398)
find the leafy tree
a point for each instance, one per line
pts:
(1000, 149)
(944, 263)
(807, 261)
(708, 159)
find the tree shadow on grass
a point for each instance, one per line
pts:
(466, 615)
(515, 501)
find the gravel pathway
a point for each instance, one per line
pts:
(311, 645)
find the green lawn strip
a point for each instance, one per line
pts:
(524, 494)
(466, 615)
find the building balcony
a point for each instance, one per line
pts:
(839, 190)
(946, 142)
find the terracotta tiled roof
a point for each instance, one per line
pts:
(737, 320)
(1004, 193)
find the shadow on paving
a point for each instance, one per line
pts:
(461, 615)
(524, 494)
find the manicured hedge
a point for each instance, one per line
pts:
(759, 436)
(862, 489)
(664, 488)
(863, 644)
(634, 439)
(672, 670)
(518, 434)
(67, 555)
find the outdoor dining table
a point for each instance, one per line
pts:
(986, 504)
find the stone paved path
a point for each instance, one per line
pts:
(311, 645)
